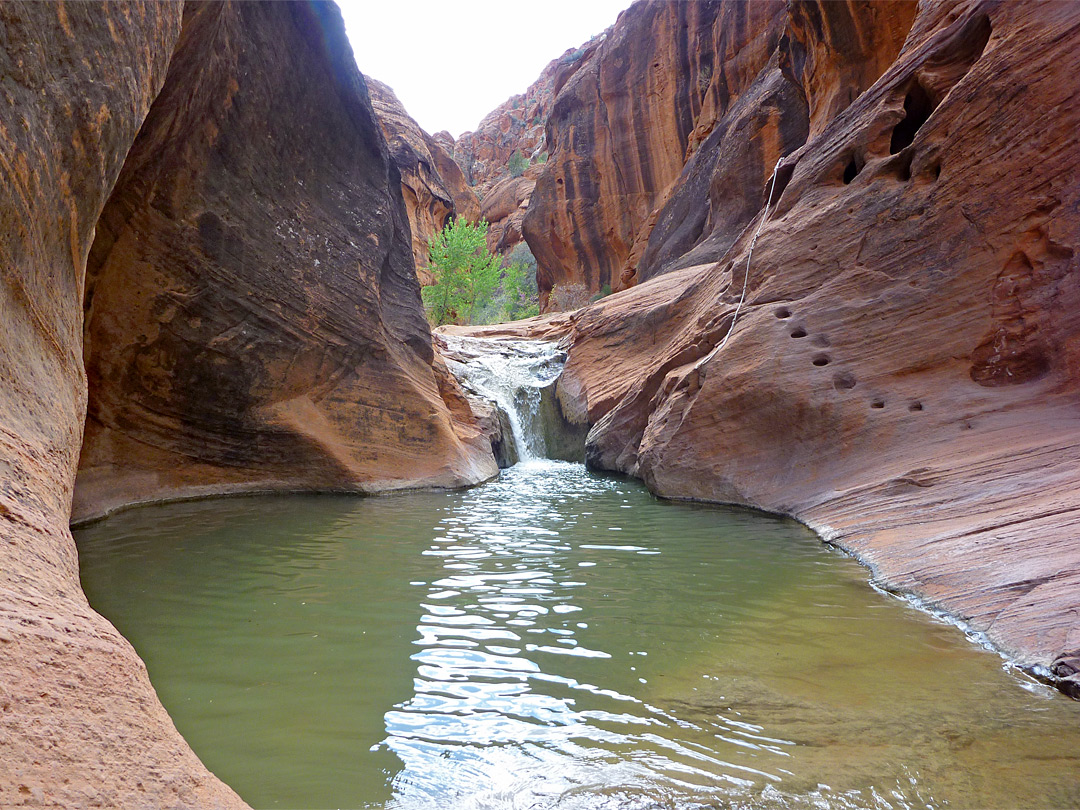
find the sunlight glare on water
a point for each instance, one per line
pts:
(558, 639)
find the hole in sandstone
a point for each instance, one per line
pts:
(903, 166)
(843, 381)
(915, 406)
(917, 109)
(851, 171)
(798, 332)
(782, 312)
(877, 403)
(970, 42)
(821, 360)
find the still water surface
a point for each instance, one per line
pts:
(560, 639)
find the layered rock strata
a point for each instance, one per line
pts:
(684, 101)
(517, 125)
(80, 725)
(504, 209)
(199, 210)
(903, 376)
(252, 312)
(433, 185)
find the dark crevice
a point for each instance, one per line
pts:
(903, 164)
(917, 109)
(850, 171)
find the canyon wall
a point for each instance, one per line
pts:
(205, 255)
(516, 125)
(79, 722)
(253, 318)
(472, 177)
(676, 105)
(515, 129)
(904, 373)
(433, 185)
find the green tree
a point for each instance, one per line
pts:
(518, 163)
(466, 273)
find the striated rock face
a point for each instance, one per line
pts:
(198, 205)
(678, 105)
(828, 54)
(904, 375)
(252, 313)
(432, 184)
(79, 722)
(504, 209)
(516, 125)
(617, 136)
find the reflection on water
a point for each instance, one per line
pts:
(559, 639)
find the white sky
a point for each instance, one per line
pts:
(452, 62)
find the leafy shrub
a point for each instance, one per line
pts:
(517, 296)
(572, 57)
(474, 286)
(605, 291)
(518, 163)
(466, 273)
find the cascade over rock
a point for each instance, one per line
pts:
(208, 258)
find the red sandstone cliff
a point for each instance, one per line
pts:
(516, 125)
(433, 185)
(79, 722)
(676, 82)
(199, 209)
(252, 309)
(472, 177)
(904, 376)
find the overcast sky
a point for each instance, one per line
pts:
(451, 62)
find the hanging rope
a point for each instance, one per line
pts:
(749, 255)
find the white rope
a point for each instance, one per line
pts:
(749, 255)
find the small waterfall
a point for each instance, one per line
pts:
(512, 374)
